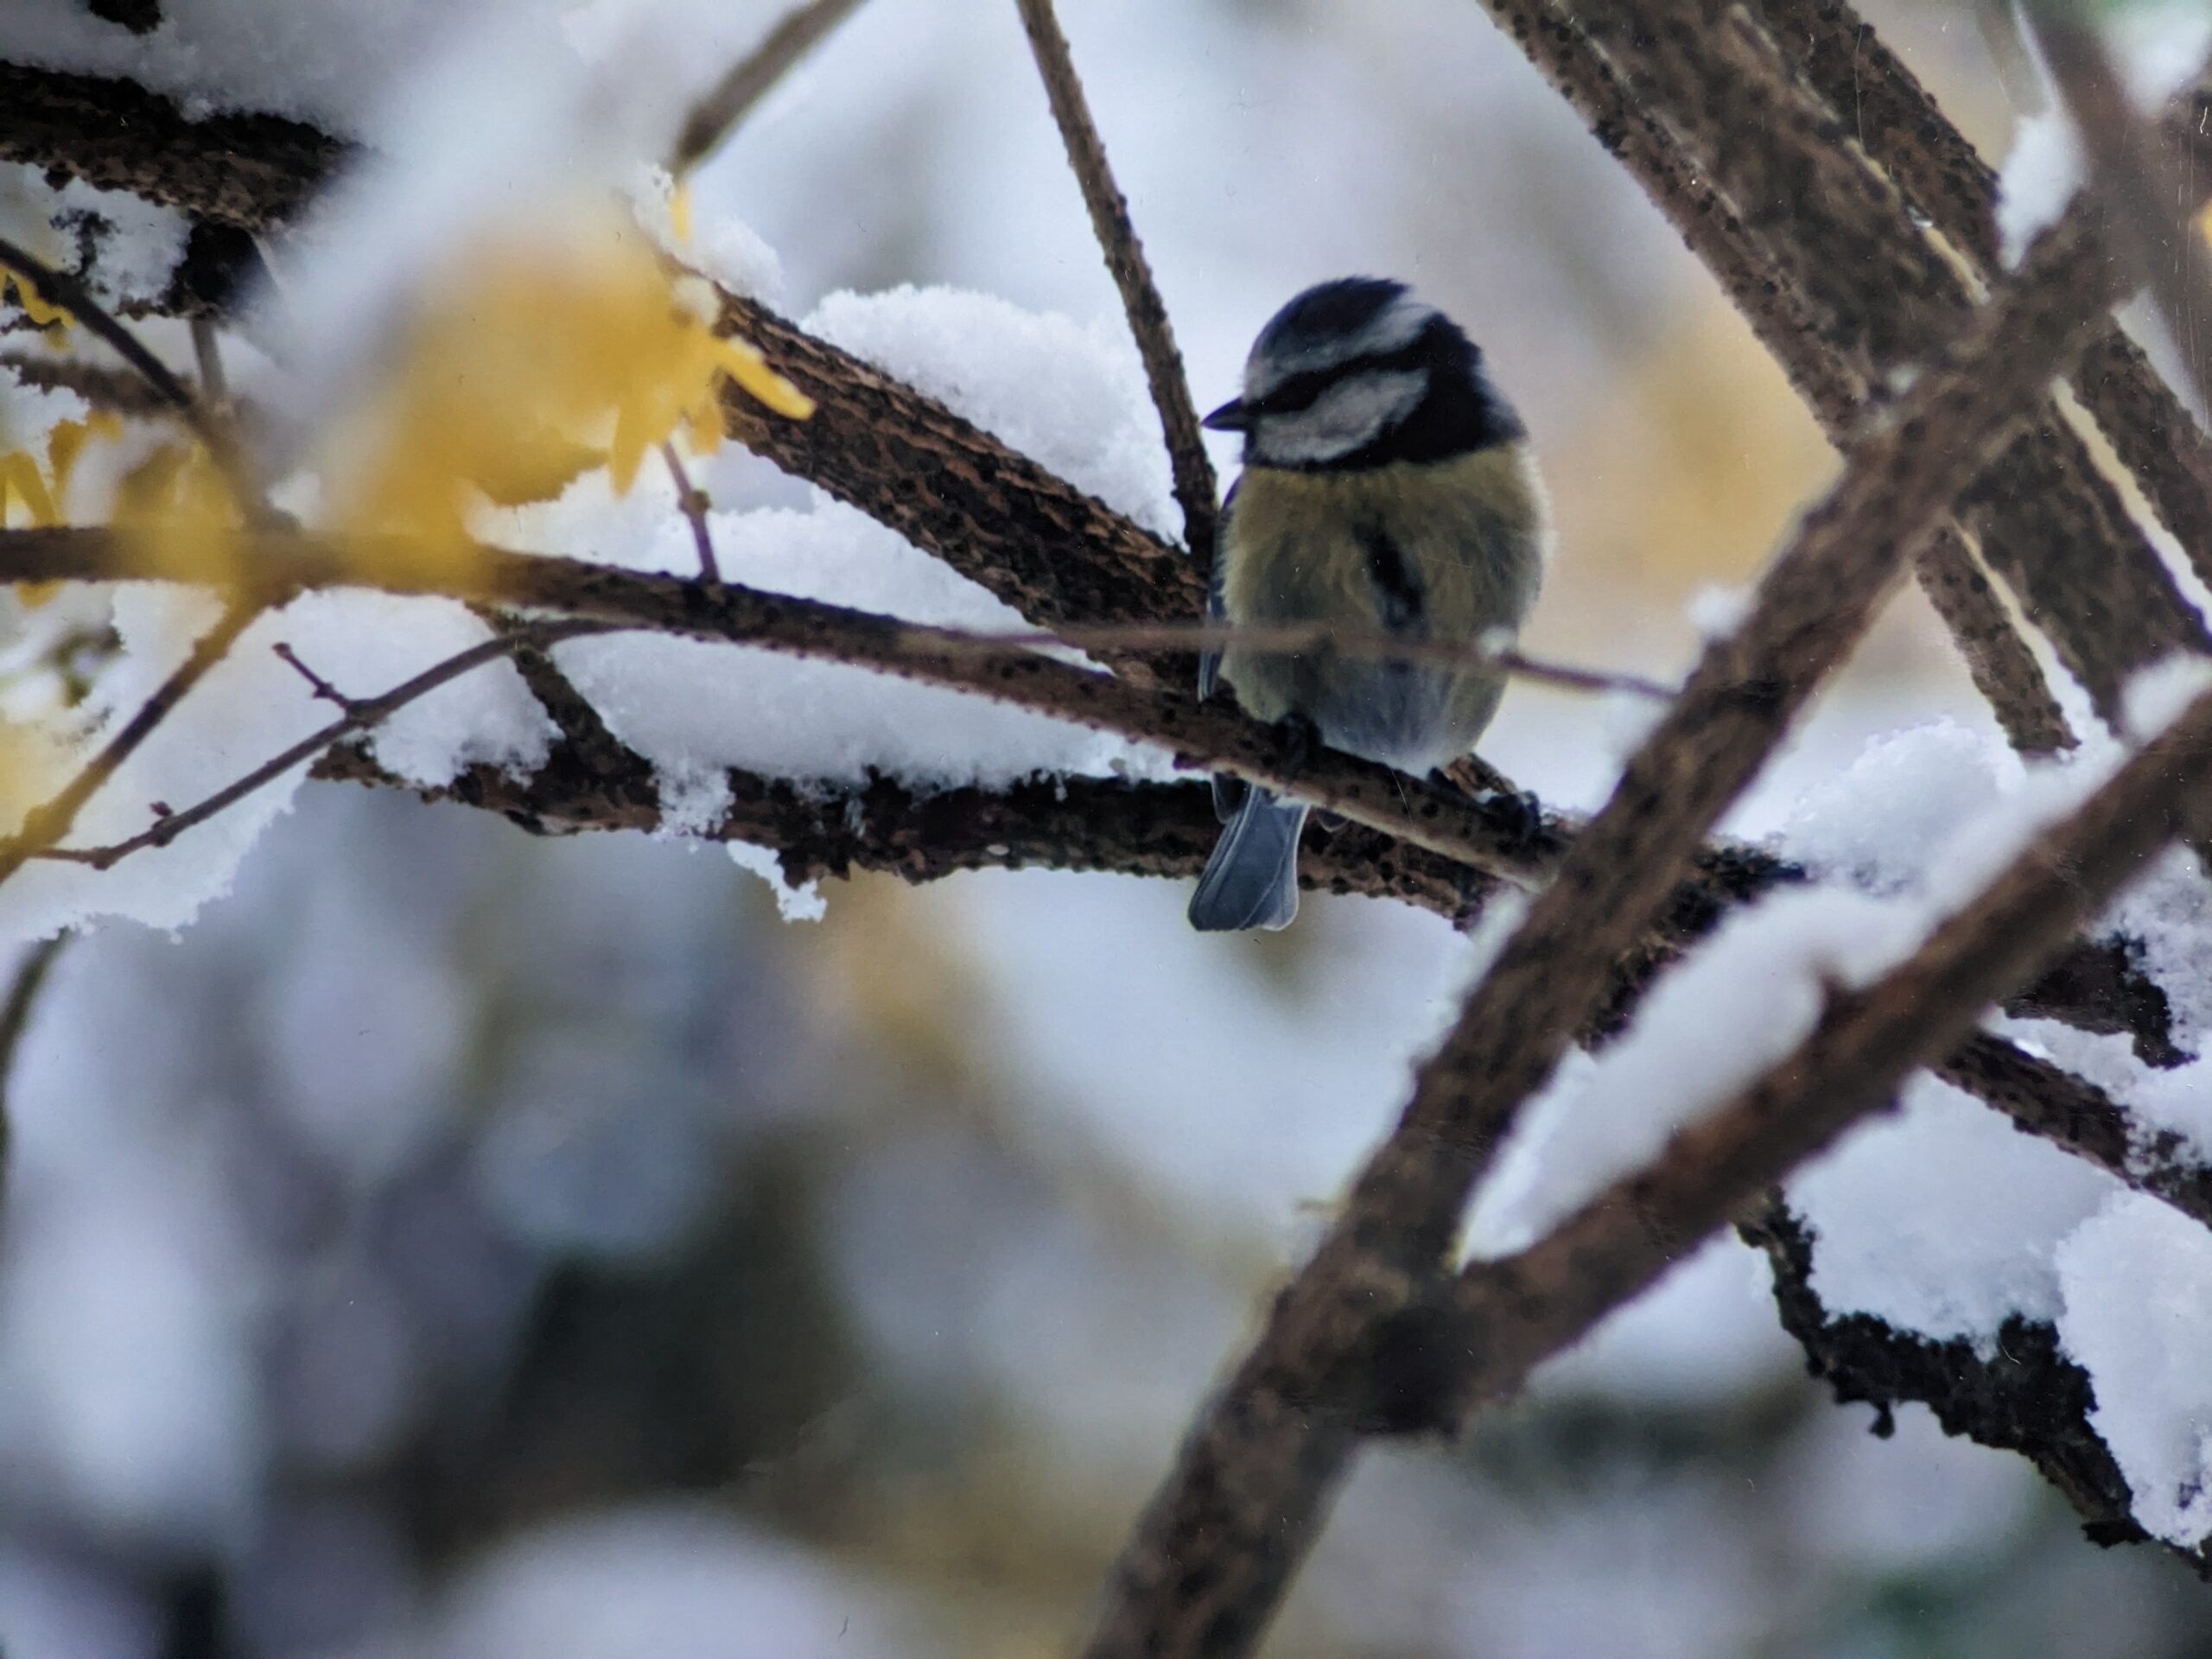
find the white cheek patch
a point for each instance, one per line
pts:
(1348, 417)
(1395, 326)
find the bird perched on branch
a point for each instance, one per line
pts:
(1388, 488)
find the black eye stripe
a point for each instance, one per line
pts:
(1299, 391)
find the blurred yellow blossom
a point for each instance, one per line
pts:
(42, 313)
(20, 482)
(179, 510)
(528, 363)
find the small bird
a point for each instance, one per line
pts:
(1388, 488)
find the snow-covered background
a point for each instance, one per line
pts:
(448, 1242)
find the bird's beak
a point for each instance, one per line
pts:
(1231, 417)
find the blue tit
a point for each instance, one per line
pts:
(1388, 488)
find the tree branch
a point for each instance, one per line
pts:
(30, 978)
(2153, 218)
(1487, 838)
(252, 171)
(1836, 383)
(2026, 1396)
(1053, 553)
(1195, 489)
(206, 422)
(1841, 56)
(1836, 235)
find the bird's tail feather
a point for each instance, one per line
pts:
(1251, 881)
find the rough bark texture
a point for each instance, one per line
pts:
(2025, 1397)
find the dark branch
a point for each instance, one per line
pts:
(253, 171)
(1836, 382)
(14, 1020)
(1841, 56)
(2024, 1396)
(1517, 1312)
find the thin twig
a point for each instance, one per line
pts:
(693, 505)
(799, 31)
(1293, 637)
(1195, 488)
(15, 1019)
(323, 690)
(361, 714)
(47, 824)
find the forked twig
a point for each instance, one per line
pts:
(360, 715)
(47, 824)
(1195, 488)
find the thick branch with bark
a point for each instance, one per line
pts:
(1429, 1351)
(252, 171)
(1822, 256)
(1892, 116)
(1517, 1312)
(1445, 847)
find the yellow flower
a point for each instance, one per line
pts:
(20, 481)
(32, 765)
(66, 441)
(528, 363)
(177, 507)
(41, 312)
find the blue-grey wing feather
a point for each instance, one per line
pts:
(1228, 792)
